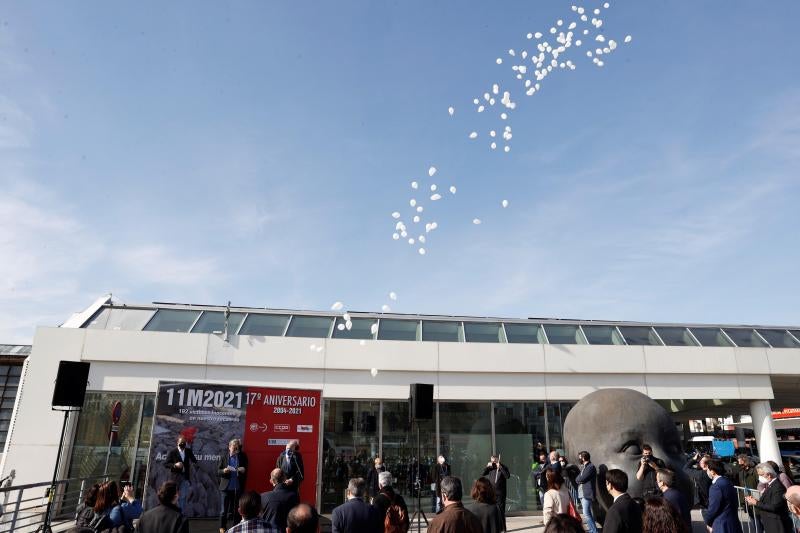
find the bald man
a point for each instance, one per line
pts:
(793, 501)
(279, 501)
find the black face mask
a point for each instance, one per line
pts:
(182, 445)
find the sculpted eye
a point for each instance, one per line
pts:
(631, 448)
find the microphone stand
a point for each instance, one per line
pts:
(419, 513)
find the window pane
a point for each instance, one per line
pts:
(350, 439)
(172, 320)
(676, 337)
(440, 331)
(266, 325)
(602, 335)
(519, 436)
(15, 370)
(122, 319)
(398, 330)
(400, 451)
(639, 335)
(4, 369)
(360, 328)
(562, 334)
(524, 333)
(554, 425)
(477, 332)
(710, 337)
(745, 338)
(465, 438)
(316, 327)
(779, 338)
(214, 322)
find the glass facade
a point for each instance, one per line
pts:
(602, 335)
(525, 333)
(122, 454)
(9, 383)
(269, 325)
(745, 338)
(172, 320)
(564, 334)
(779, 338)
(640, 336)
(676, 336)
(355, 432)
(711, 337)
(214, 322)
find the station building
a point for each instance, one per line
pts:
(502, 385)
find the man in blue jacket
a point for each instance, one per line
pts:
(722, 501)
(585, 481)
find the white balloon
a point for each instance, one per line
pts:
(348, 325)
(431, 171)
(393, 295)
(433, 187)
(385, 308)
(414, 184)
(476, 221)
(374, 328)
(346, 317)
(422, 251)
(373, 372)
(396, 214)
(337, 306)
(452, 189)
(451, 110)
(628, 38)
(395, 236)
(473, 135)
(504, 203)
(436, 196)
(340, 327)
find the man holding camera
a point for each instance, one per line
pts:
(648, 466)
(291, 462)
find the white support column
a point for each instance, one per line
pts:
(764, 429)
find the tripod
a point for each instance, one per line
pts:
(419, 513)
(45, 526)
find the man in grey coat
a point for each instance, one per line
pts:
(585, 481)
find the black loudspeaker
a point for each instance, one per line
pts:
(71, 384)
(420, 400)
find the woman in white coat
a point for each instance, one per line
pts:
(556, 499)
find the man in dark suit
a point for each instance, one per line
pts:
(497, 473)
(356, 515)
(624, 515)
(772, 507)
(166, 517)
(232, 473)
(721, 516)
(585, 481)
(179, 463)
(278, 502)
(665, 479)
(291, 462)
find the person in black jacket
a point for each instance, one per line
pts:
(277, 503)
(484, 506)
(772, 507)
(166, 517)
(232, 473)
(386, 497)
(372, 477)
(179, 462)
(497, 473)
(439, 471)
(624, 515)
(666, 483)
(356, 515)
(291, 462)
(696, 469)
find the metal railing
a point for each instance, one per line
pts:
(747, 513)
(25, 506)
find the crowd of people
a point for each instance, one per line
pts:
(569, 495)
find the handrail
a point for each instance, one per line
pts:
(25, 513)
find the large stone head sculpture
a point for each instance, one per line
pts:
(612, 425)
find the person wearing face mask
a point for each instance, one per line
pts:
(721, 516)
(179, 463)
(771, 506)
(441, 470)
(585, 481)
(666, 484)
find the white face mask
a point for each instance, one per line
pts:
(763, 479)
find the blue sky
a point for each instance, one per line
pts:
(254, 151)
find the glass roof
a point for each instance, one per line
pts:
(211, 320)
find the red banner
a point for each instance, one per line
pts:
(276, 417)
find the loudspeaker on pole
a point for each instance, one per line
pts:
(71, 382)
(420, 398)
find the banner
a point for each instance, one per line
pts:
(209, 416)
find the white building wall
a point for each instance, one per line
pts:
(134, 361)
